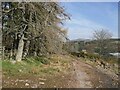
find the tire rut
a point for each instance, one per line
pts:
(87, 76)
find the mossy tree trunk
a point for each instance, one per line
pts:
(20, 49)
(0, 32)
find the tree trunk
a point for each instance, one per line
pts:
(35, 53)
(3, 52)
(0, 44)
(26, 49)
(0, 32)
(20, 49)
(11, 54)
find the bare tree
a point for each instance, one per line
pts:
(102, 37)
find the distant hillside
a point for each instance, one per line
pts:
(81, 39)
(90, 45)
(90, 40)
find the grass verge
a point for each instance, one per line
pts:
(40, 66)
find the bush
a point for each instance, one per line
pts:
(74, 54)
(83, 54)
(93, 56)
(79, 54)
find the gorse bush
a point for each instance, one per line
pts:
(86, 55)
(83, 54)
(79, 54)
(93, 56)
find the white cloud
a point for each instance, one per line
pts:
(88, 0)
(80, 33)
(82, 22)
(82, 28)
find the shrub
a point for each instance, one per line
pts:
(75, 54)
(82, 54)
(79, 54)
(93, 56)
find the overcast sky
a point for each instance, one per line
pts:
(89, 16)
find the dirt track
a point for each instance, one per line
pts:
(87, 76)
(81, 75)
